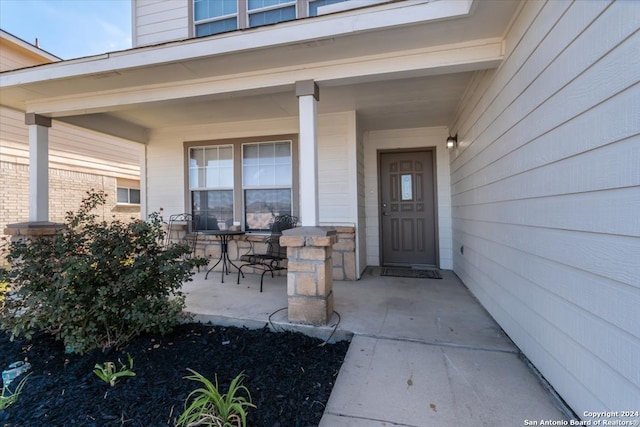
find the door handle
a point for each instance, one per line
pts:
(385, 213)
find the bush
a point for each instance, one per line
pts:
(96, 284)
(4, 286)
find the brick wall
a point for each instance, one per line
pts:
(66, 191)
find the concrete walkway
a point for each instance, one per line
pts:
(423, 351)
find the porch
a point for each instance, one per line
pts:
(423, 351)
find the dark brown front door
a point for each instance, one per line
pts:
(407, 208)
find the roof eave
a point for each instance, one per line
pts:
(292, 32)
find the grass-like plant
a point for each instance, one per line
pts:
(8, 397)
(206, 406)
(107, 371)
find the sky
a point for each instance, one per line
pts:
(69, 28)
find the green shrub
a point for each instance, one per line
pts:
(95, 283)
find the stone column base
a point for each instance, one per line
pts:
(310, 274)
(33, 229)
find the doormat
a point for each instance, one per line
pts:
(410, 272)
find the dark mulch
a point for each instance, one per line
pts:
(289, 375)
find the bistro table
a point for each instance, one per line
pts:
(224, 236)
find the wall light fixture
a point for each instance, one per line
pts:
(452, 141)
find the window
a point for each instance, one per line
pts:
(264, 12)
(266, 180)
(211, 186)
(250, 180)
(128, 196)
(215, 16)
(219, 16)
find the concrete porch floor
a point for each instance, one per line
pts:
(423, 352)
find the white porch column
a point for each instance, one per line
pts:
(308, 96)
(38, 166)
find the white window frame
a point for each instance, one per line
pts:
(205, 187)
(204, 21)
(294, 3)
(128, 202)
(243, 13)
(238, 185)
(273, 186)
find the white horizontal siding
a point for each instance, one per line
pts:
(14, 55)
(9, 61)
(407, 138)
(582, 133)
(336, 193)
(164, 176)
(546, 195)
(12, 59)
(158, 21)
(164, 170)
(559, 212)
(165, 162)
(71, 148)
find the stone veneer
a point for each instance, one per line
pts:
(31, 230)
(309, 278)
(344, 249)
(344, 254)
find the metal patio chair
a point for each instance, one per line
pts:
(190, 237)
(275, 257)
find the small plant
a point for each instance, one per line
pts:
(8, 397)
(209, 407)
(107, 371)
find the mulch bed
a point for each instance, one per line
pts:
(289, 375)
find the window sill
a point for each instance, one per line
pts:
(126, 208)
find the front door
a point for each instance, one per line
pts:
(407, 208)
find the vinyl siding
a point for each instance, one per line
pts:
(337, 192)
(158, 21)
(13, 57)
(546, 194)
(70, 148)
(79, 161)
(165, 175)
(165, 167)
(408, 138)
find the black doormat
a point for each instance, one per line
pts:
(410, 272)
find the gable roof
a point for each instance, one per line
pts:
(39, 56)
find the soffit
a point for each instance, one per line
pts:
(415, 102)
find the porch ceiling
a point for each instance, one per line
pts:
(414, 102)
(412, 75)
